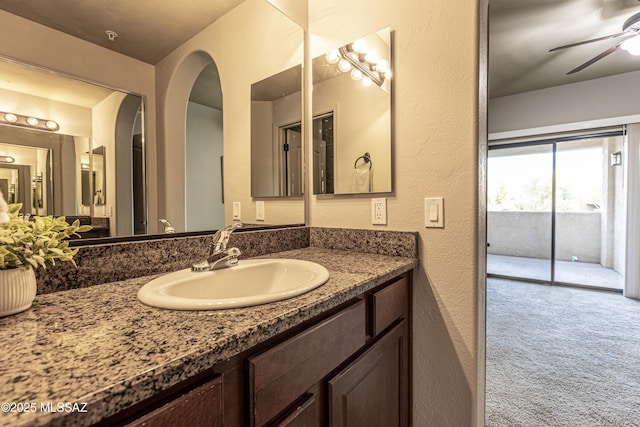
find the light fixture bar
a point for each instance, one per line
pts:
(31, 122)
(375, 77)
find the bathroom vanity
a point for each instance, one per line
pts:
(347, 366)
(337, 355)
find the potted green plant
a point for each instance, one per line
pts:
(26, 245)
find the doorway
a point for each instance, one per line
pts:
(289, 146)
(556, 210)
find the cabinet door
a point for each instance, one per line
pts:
(279, 376)
(374, 389)
(303, 415)
(201, 406)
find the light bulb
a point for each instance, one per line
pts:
(366, 82)
(51, 125)
(333, 56)
(32, 121)
(632, 46)
(356, 74)
(11, 118)
(344, 66)
(359, 46)
(382, 65)
(371, 56)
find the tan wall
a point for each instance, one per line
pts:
(435, 147)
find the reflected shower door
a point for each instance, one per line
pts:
(519, 207)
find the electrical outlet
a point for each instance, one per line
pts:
(379, 211)
(236, 211)
(260, 210)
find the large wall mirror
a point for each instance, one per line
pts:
(352, 117)
(68, 168)
(233, 37)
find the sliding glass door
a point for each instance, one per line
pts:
(519, 211)
(556, 211)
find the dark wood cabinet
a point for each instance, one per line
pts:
(202, 407)
(283, 373)
(353, 378)
(374, 389)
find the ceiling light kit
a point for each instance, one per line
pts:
(361, 61)
(631, 27)
(28, 122)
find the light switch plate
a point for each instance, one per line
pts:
(236, 211)
(434, 212)
(379, 211)
(260, 210)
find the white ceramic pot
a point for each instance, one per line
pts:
(17, 290)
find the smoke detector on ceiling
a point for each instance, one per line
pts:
(112, 35)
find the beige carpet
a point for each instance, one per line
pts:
(560, 356)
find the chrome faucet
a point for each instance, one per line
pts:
(219, 255)
(168, 228)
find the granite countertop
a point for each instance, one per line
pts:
(101, 350)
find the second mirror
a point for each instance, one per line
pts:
(352, 117)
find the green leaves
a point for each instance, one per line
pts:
(27, 245)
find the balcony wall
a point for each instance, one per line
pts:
(528, 234)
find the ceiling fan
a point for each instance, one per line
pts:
(631, 27)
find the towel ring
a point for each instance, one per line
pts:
(367, 159)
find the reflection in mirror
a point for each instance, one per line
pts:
(276, 135)
(248, 39)
(68, 170)
(352, 117)
(24, 177)
(99, 168)
(204, 150)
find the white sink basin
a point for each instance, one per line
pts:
(251, 282)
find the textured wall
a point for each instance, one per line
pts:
(435, 146)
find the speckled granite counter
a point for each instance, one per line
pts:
(101, 346)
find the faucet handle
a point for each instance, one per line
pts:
(221, 238)
(168, 228)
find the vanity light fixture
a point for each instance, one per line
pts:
(28, 121)
(363, 63)
(7, 159)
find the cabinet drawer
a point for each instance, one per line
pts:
(280, 375)
(389, 304)
(201, 406)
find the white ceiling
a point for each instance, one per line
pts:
(521, 33)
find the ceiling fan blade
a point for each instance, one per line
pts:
(623, 33)
(596, 58)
